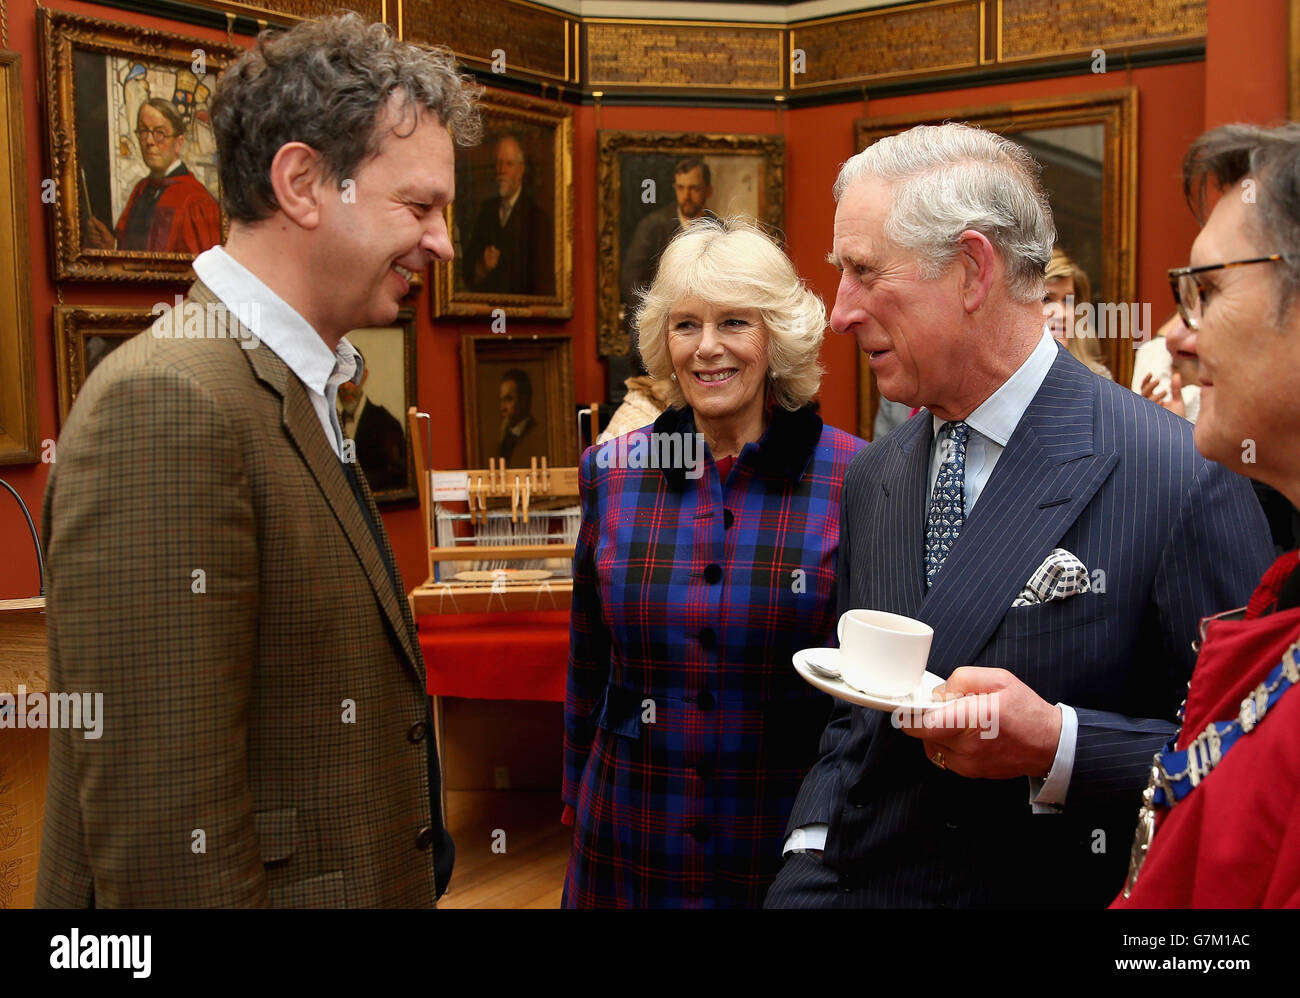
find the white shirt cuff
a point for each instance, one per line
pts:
(1048, 796)
(807, 837)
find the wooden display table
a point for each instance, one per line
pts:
(24, 753)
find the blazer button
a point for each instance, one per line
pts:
(708, 638)
(705, 700)
(425, 838)
(845, 883)
(857, 795)
(728, 518)
(713, 574)
(415, 733)
(701, 831)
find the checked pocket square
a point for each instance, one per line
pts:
(1060, 576)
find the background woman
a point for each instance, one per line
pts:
(687, 730)
(1066, 279)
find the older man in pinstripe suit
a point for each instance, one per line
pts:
(1060, 534)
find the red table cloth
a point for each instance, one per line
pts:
(496, 656)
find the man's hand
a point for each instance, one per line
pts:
(1000, 729)
(97, 235)
(487, 262)
(1172, 399)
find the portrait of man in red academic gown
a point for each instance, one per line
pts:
(169, 211)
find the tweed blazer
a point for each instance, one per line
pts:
(265, 735)
(687, 730)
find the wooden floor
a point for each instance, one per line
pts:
(532, 848)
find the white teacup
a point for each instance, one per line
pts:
(883, 653)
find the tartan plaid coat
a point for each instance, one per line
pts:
(224, 703)
(687, 730)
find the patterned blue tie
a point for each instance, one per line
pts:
(948, 504)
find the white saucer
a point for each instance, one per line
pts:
(805, 663)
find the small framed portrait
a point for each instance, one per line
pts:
(654, 183)
(372, 414)
(519, 401)
(84, 335)
(512, 220)
(135, 188)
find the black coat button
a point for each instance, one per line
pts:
(708, 638)
(728, 518)
(425, 838)
(701, 831)
(705, 700)
(845, 883)
(713, 574)
(416, 732)
(857, 795)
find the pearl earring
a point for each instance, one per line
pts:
(673, 375)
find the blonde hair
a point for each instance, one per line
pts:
(731, 262)
(1082, 340)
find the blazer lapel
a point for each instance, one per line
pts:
(303, 426)
(1043, 480)
(901, 529)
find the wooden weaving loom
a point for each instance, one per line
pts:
(499, 539)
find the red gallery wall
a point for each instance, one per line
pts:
(1175, 103)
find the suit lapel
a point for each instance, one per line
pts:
(902, 517)
(303, 426)
(1043, 480)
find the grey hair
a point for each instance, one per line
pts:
(949, 178)
(326, 83)
(1271, 156)
(730, 262)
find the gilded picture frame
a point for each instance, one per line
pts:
(1112, 116)
(388, 390)
(519, 400)
(637, 175)
(512, 220)
(126, 106)
(19, 428)
(83, 336)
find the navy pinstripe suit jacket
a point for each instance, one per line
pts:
(1100, 471)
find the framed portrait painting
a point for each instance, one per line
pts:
(650, 184)
(135, 193)
(512, 220)
(19, 427)
(84, 335)
(372, 414)
(519, 400)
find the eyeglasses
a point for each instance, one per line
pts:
(158, 134)
(1187, 289)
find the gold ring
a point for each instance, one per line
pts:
(937, 759)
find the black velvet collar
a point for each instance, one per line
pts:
(784, 450)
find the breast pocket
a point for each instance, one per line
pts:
(1047, 618)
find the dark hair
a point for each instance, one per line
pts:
(168, 110)
(1269, 156)
(690, 163)
(325, 83)
(523, 384)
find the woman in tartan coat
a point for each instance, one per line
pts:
(705, 559)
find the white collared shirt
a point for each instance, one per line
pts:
(289, 336)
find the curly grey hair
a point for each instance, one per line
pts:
(730, 262)
(950, 178)
(325, 83)
(1228, 154)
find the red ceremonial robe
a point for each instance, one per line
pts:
(1234, 841)
(186, 218)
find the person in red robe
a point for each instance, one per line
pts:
(169, 211)
(1220, 822)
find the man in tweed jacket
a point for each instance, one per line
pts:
(218, 568)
